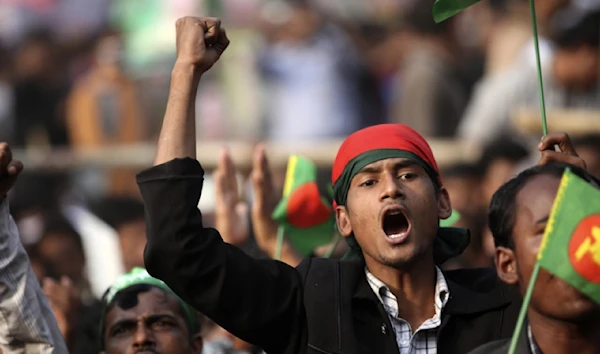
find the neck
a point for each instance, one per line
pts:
(555, 336)
(413, 286)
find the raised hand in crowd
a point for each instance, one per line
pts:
(9, 169)
(200, 43)
(27, 323)
(566, 153)
(263, 205)
(231, 213)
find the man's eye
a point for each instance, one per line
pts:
(119, 331)
(368, 183)
(407, 176)
(162, 324)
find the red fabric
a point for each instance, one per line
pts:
(383, 136)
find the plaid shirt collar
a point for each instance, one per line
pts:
(381, 290)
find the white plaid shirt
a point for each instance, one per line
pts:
(424, 339)
(27, 324)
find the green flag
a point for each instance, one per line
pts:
(570, 248)
(306, 217)
(444, 9)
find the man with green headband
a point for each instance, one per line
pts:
(142, 314)
(390, 297)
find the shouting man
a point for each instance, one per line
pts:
(391, 298)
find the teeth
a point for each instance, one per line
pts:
(394, 212)
(395, 235)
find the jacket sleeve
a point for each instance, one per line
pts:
(259, 301)
(27, 323)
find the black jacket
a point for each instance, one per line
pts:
(323, 306)
(502, 346)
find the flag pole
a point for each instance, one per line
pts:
(539, 65)
(523, 311)
(279, 245)
(536, 269)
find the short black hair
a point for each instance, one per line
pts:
(117, 211)
(56, 223)
(576, 27)
(419, 19)
(129, 298)
(588, 140)
(504, 148)
(461, 170)
(501, 214)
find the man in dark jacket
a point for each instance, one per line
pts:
(560, 319)
(392, 298)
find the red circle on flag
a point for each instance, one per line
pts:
(584, 248)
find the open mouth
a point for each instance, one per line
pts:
(395, 224)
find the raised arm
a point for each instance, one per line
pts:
(200, 43)
(259, 301)
(27, 324)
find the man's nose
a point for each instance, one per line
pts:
(144, 336)
(392, 188)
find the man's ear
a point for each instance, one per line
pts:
(197, 344)
(444, 205)
(506, 265)
(343, 221)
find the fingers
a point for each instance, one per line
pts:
(226, 186)
(14, 168)
(561, 139)
(261, 172)
(555, 156)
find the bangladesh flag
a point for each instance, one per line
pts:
(444, 9)
(306, 216)
(570, 248)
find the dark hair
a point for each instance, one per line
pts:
(573, 28)
(129, 298)
(461, 170)
(116, 211)
(501, 214)
(56, 223)
(588, 140)
(502, 148)
(419, 18)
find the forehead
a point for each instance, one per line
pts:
(534, 201)
(155, 301)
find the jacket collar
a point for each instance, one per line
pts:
(464, 299)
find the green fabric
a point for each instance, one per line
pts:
(307, 218)
(140, 276)
(570, 248)
(450, 241)
(342, 185)
(444, 9)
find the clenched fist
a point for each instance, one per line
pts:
(9, 169)
(200, 42)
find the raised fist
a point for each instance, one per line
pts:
(200, 42)
(9, 169)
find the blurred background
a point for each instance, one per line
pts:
(83, 88)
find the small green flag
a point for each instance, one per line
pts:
(444, 9)
(570, 248)
(306, 216)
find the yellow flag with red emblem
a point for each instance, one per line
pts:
(570, 248)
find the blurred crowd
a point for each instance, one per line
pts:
(84, 74)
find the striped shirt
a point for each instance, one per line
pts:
(424, 339)
(27, 323)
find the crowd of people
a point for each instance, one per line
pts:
(122, 261)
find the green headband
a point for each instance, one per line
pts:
(450, 241)
(140, 276)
